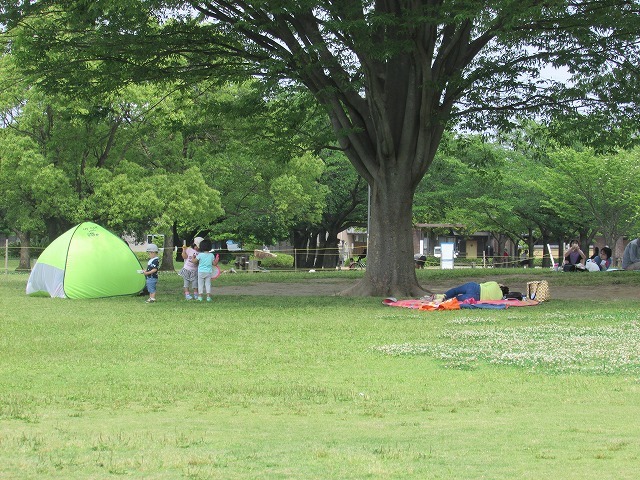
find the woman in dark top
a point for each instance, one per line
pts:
(574, 258)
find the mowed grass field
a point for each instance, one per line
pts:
(320, 387)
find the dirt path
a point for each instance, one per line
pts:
(332, 286)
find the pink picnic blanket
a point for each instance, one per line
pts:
(451, 305)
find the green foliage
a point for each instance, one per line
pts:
(123, 201)
(346, 199)
(495, 73)
(143, 257)
(186, 197)
(515, 188)
(579, 187)
(33, 188)
(297, 195)
(475, 183)
(283, 261)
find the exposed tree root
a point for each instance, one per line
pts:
(366, 288)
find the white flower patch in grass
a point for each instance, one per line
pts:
(399, 316)
(572, 316)
(473, 320)
(554, 348)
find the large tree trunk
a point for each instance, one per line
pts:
(530, 246)
(390, 272)
(546, 254)
(560, 251)
(167, 252)
(500, 260)
(300, 242)
(330, 251)
(312, 250)
(25, 251)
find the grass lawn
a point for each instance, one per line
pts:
(318, 387)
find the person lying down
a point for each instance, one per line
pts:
(477, 291)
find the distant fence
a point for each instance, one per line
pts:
(344, 258)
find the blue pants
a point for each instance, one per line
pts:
(464, 291)
(151, 284)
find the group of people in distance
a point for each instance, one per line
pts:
(575, 259)
(602, 259)
(200, 263)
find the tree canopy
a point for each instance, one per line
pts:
(151, 158)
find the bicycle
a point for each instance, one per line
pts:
(359, 264)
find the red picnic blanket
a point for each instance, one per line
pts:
(451, 304)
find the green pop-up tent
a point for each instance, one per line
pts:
(87, 261)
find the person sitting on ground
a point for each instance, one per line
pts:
(477, 291)
(574, 258)
(631, 255)
(593, 262)
(605, 258)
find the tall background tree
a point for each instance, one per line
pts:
(392, 75)
(593, 194)
(65, 160)
(150, 157)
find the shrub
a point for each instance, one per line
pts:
(282, 261)
(143, 257)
